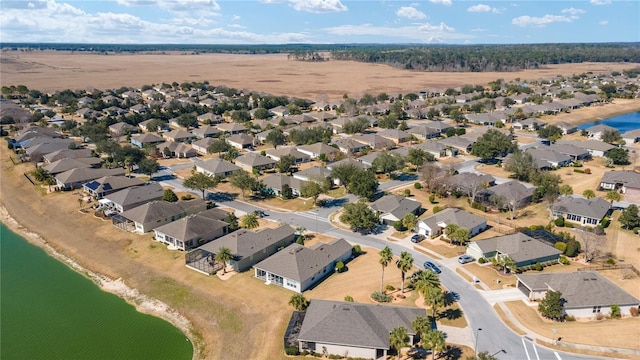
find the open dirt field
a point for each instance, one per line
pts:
(48, 71)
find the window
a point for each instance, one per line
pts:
(596, 309)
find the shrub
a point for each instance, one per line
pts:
(186, 197)
(407, 193)
(263, 153)
(615, 311)
(432, 198)
(587, 171)
(389, 288)
(577, 164)
(356, 250)
(573, 248)
(339, 266)
(569, 318)
(417, 186)
(605, 222)
(437, 209)
(377, 296)
(636, 230)
(610, 261)
(479, 206)
(569, 225)
(348, 298)
(560, 246)
(564, 260)
(538, 267)
(578, 171)
(634, 311)
(482, 260)
(559, 221)
(399, 226)
(291, 350)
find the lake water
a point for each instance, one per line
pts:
(52, 312)
(623, 123)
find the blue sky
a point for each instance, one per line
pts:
(319, 21)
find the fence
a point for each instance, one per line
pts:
(611, 267)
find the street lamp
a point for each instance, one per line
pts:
(475, 347)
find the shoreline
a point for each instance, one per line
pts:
(141, 302)
(595, 112)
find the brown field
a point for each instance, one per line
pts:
(48, 71)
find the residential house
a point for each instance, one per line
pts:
(374, 141)
(274, 184)
(37, 148)
(359, 330)
(548, 158)
(210, 118)
(369, 158)
(585, 294)
(531, 124)
(179, 136)
(190, 231)
(280, 111)
(202, 146)
(98, 188)
(240, 141)
(142, 140)
(318, 149)
(463, 181)
(151, 215)
(248, 248)
(232, 128)
(134, 196)
(435, 224)
(23, 136)
(522, 249)
(576, 153)
(436, 149)
(277, 154)
(255, 161)
(67, 154)
(588, 212)
(631, 136)
(176, 149)
(62, 165)
(566, 127)
(75, 178)
(458, 142)
(298, 267)
(395, 135)
(347, 161)
(627, 181)
(144, 126)
(392, 208)
(122, 128)
(596, 131)
(216, 167)
(349, 146)
(324, 116)
(512, 193)
(423, 132)
(594, 147)
(139, 109)
(314, 173)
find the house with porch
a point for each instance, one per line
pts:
(122, 128)
(314, 173)
(63, 165)
(435, 224)
(202, 146)
(631, 136)
(241, 141)
(316, 150)
(216, 167)
(391, 208)
(206, 131)
(585, 294)
(512, 192)
(586, 212)
(255, 161)
(141, 140)
(76, 178)
(594, 147)
(277, 154)
(232, 128)
(522, 249)
(134, 196)
(191, 231)
(359, 330)
(566, 127)
(596, 131)
(275, 183)
(248, 248)
(374, 141)
(149, 216)
(349, 146)
(109, 184)
(576, 153)
(298, 267)
(627, 181)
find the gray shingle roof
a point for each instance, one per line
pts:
(216, 166)
(518, 246)
(628, 178)
(254, 159)
(63, 165)
(512, 190)
(580, 289)
(67, 154)
(347, 161)
(86, 174)
(282, 151)
(595, 208)
(244, 243)
(300, 263)
(589, 144)
(276, 181)
(454, 216)
(156, 210)
(191, 227)
(318, 148)
(136, 194)
(112, 183)
(397, 205)
(354, 324)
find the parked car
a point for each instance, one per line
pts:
(431, 266)
(463, 259)
(416, 238)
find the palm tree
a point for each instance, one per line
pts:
(250, 221)
(506, 262)
(589, 194)
(223, 255)
(385, 258)
(426, 280)
(299, 302)
(404, 264)
(613, 195)
(434, 340)
(434, 298)
(398, 339)
(421, 325)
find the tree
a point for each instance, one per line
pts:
(187, 121)
(550, 132)
(522, 165)
(611, 136)
(314, 187)
(565, 189)
(421, 325)
(404, 263)
(619, 156)
(359, 216)
(363, 183)
(387, 163)
(548, 185)
(589, 194)
(261, 113)
(169, 196)
(385, 258)
(434, 340)
(434, 177)
(613, 195)
(285, 163)
(223, 256)
(418, 157)
(218, 146)
(457, 234)
(493, 144)
(231, 154)
(357, 125)
(410, 221)
(434, 298)
(343, 173)
(592, 243)
(425, 280)
(41, 174)
(552, 306)
(506, 262)
(629, 217)
(275, 138)
(202, 182)
(148, 166)
(232, 220)
(240, 116)
(388, 121)
(398, 339)
(250, 221)
(299, 302)
(244, 181)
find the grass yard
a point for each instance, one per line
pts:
(441, 247)
(296, 204)
(505, 319)
(580, 332)
(489, 276)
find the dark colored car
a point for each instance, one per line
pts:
(416, 238)
(431, 266)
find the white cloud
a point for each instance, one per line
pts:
(600, 2)
(312, 6)
(479, 30)
(410, 13)
(540, 21)
(204, 8)
(235, 17)
(419, 32)
(573, 11)
(603, 22)
(236, 26)
(442, 2)
(483, 8)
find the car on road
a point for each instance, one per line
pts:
(260, 213)
(431, 266)
(416, 238)
(463, 259)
